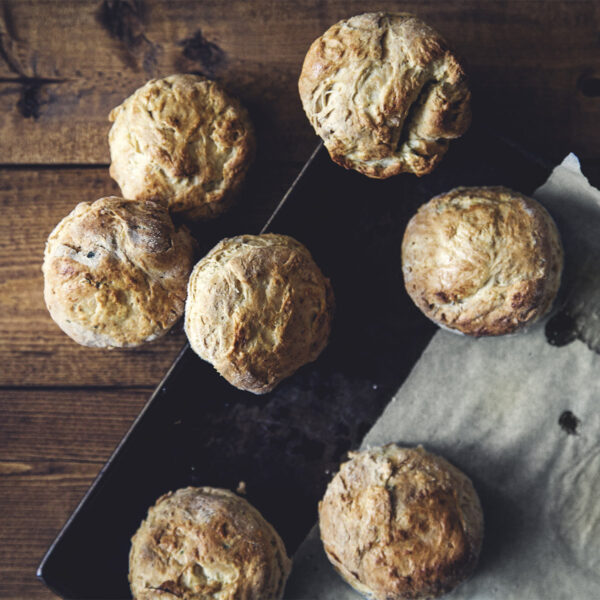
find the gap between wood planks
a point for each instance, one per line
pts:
(12, 468)
(51, 166)
(77, 388)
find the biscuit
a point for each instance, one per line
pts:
(203, 543)
(115, 272)
(401, 523)
(258, 309)
(482, 260)
(385, 94)
(184, 140)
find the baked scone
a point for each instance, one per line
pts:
(482, 260)
(116, 271)
(184, 140)
(401, 523)
(385, 94)
(258, 308)
(203, 543)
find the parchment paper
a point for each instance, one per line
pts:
(521, 417)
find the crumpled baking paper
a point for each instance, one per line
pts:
(522, 418)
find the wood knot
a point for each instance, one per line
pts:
(123, 19)
(198, 49)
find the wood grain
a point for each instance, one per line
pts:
(64, 425)
(535, 66)
(52, 445)
(36, 498)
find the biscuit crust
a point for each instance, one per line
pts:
(482, 261)
(184, 140)
(385, 94)
(401, 523)
(115, 272)
(202, 543)
(258, 309)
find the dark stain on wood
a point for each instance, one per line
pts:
(125, 21)
(30, 87)
(29, 103)
(31, 96)
(568, 422)
(198, 49)
(7, 35)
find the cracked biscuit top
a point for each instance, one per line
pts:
(401, 523)
(482, 260)
(258, 308)
(205, 543)
(385, 94)
(184, 140)
(116, 271)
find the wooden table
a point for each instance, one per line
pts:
(535, 69)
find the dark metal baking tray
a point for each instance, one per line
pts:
(196, 429)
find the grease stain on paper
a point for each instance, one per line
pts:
(568, 422)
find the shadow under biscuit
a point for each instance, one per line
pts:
(505, 525)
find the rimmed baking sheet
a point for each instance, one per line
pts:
(198, 430)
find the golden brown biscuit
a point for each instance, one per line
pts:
(115, 272)
(401, 523)
(184, 140)
(202, 543)
(258, 309)
(385, 94)
(482, 261)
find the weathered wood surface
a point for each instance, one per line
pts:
(52, 445)
(36, 498)
(54, 425)
(535, 66)
(535, 71)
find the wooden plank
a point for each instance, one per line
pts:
(63, 66)
(57, 424)
(52, 445)
(36, 498)
(33, 350)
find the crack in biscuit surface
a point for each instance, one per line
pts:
(181, 139)
(203, 544)
(115, 272)
(401, 523)
(482, 261)
(385, 94)
(258, 309)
